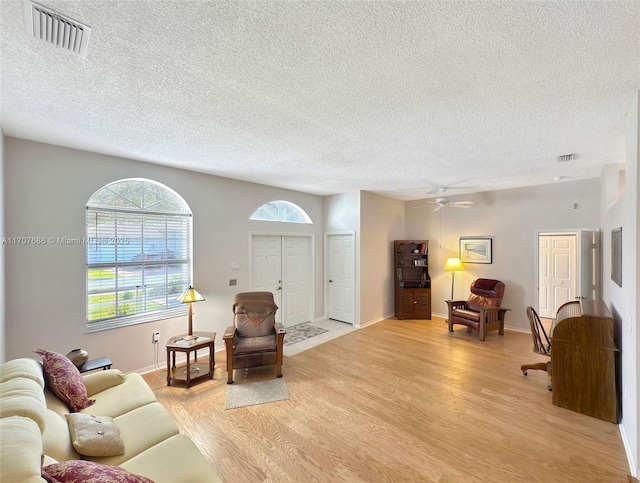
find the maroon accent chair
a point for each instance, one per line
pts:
(482, 311)
(254, 339)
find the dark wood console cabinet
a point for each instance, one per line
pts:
(412, 285)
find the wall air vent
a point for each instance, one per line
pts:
(566, 157)
(44, 24)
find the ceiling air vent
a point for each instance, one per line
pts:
(566, 157)
(44, 24)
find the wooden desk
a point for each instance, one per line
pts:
(583, 357)
(191, 371)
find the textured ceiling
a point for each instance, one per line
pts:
(324, 97)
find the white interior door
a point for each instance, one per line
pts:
(545, 300)
(283, 266)
(296, 304)
(341, 267)
(557, 272)
(266, 267)
(590, 264)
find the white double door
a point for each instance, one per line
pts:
(283, 266)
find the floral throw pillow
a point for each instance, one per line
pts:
(81, 471)
(65, 380)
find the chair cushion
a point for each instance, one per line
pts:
(133, 393)
(246, 345)
(56, 442)
(176, 459)
(247, 328)
(485, 284)
(255, 304)
(102, 380)
(141, 429)
(476, 302)
(23, 397)
(65, 380)
(21, 450)
(466, 314)
(485, 292)
(25, 368)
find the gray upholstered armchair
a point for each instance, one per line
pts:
(254, 339)
(482, 311)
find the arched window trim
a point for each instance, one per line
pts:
(281, 211)
(139, 253)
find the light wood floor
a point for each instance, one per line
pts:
(400, 401)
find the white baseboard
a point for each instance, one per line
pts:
(180, 359)
(375, 321)
(633, 465)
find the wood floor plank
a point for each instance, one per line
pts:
(400, 401)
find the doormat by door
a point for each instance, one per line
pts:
(298, 333)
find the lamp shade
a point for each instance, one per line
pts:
(190, 295)
(453, 265)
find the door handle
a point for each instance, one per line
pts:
(330, 281)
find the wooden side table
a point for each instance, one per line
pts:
(193, 371)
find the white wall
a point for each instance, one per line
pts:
(512, 218)
(619, 208)
(47, 188)
(624, 300)
(382, 221)
(2, 270)
(341, 216)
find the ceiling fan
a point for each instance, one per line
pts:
(443, 202)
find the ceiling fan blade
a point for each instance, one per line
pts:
(460, 203)
(437, 208)
(420, 206)
(455, 205)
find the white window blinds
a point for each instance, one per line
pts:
(138, 254)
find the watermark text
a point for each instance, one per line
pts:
(62, 240)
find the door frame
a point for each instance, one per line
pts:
(312, 298)
(327, 255)
(576, 232)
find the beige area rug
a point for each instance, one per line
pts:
(252, 393)
(328, 330)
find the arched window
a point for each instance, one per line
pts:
(281, 211)
(138, 253)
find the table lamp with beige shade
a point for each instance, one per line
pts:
(188, 297)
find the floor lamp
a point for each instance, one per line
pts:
(453, 265)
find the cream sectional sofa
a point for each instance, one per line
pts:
(33, 424)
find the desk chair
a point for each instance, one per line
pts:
(541, 344)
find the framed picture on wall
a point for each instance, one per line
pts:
(616, 256)
(476, 250)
